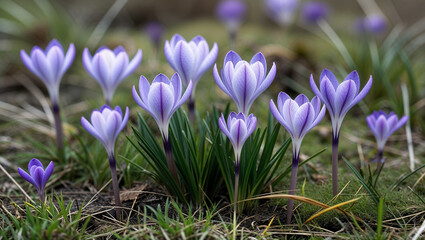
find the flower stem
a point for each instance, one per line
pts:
(108, 102)
(41, 195)
(236, 190)
(295, 160)
(112, 164)
(379, 159)
(335, 141)
(232, 38)
(191, 106)
(170, 159)
(58, 128)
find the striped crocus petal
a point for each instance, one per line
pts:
(162, 98)
(105, 125)
(339, 98)
(37, 176)
(383, 125)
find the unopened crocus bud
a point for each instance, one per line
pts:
(312, 12)
(282, 11)
(231, 13)
(155, 30)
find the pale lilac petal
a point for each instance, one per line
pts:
(177, 86)
(303, 118)
(232, 57)
(223, 126)
(329, 76)
(243, 85)
(275, 112)
(47, 173)
(281, 99)
(355, 77)
(328, 96)
(55, 59)
(381, 128)
(400, 123)
(238, 131)
(87, 62)
(184, 59)
(301, 99)
(219, 81)
(363, 92)
(40, 63)
(344, 95)
(89, 128)
(266, 82)
(69, 58)
(185, 96)
(176, 38)
(318, 118)
(134, 63)
(160, 102)
(314, 88)
(208, 61)
(259, 57)
(124, 120)
(54, 43)
(168, 52)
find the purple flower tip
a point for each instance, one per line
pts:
(383, 125)
(339, 97)
(244, 81)
(38, 176)
(190, 59)
(312, 12)
(161, 98)
(49, 65)
(110, 67)
(106, 125)
(238, 128)
(298, 116)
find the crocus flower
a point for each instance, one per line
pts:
(282, 11)
(231, 13)
(338, 98)
(298, 116)
(190, 60)
(106, 125)
(161, 99)
(238, 128)
(312, 12)
(50, 65)
(372, 24)
(110, 67)
(382, 126)
(244, 81)
(155, 30)
(38, 176)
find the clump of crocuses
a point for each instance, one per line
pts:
(338, 98)
(50, 65)
(106, 124)
(161, 99)
(382, 126)
(238, 128)
(38, 176)
(244, 81)
(190, 60)
(298, 116)
(110, 68)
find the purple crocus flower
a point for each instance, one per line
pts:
(161, 99)
(312, 12)
(190, 60)
(106, 125)
(244, 81)
(382, 126)
(238, 128)
(38, 176)
(50, 65)
(372, 24)
(231, 13)
(155, 30)
(282, 11)
(110, 68)
(338, 98)
(298, 116)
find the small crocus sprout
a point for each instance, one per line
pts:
(244, 81)
(313, 12)
(50, 65)
(338, 98)
(110, 67)
(190, 60)
(282, 11)
(238, 128)
(161, 99)
(382, 126)
(106, 125)
(38, 176)
(298, 116)
(373, 24)
(231, 13)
